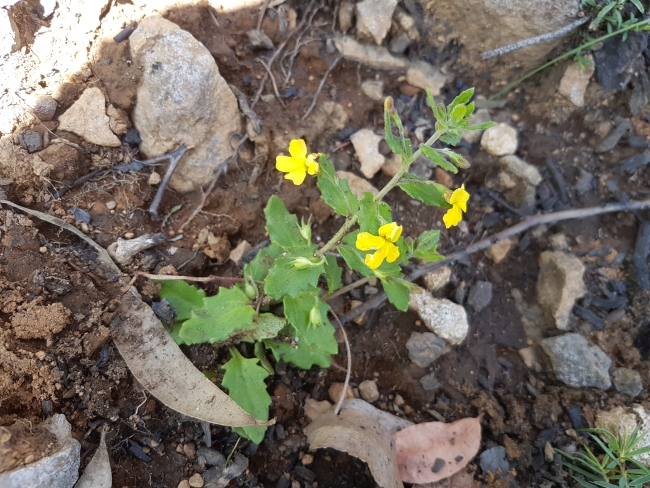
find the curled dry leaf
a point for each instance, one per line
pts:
(432, 451)
(153, 357)
(98, 472)
(361, 435)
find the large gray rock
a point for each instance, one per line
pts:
(59, 470)
(375, 56)
(87, 118)
(366, 147)
(577, 363)
(425, 348)
(441, 316)
(374, 18)
(183, 99)
(559, 284)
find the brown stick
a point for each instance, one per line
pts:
(348, 373)
(320, 87)
(275, 85)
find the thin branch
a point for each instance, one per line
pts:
(275, 85)
(346, 288)
(266, 75)
(246, 110)
(504, 204)
(194, 279)
(320, 87)
(500, 236)
(534, 40)
(346, 383)
(263, 8)
(174, 158)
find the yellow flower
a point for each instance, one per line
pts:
(383, 244)
(458, 200)
(298, 164)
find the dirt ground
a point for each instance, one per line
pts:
(56, 354)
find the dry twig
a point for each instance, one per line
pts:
(348, 372)
(320, 87)
(275, 85)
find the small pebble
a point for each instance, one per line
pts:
(399, 401)
(368, 391)
(129, 235)
(307, 459)
(154, 178)
(111, 205)
(184, 484)
(196, 481)
(42, 249)
(189, 449)
(335, 392)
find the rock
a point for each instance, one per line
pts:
(429, 382)
(627, 381)
(441, 316)
(577, 363)
(335, 391)
(559, 284)
(425, 348)
(182, 99)
(437, 279)
(210, 457)
(400, 43)
(123, 251)
(189, 449)
(558, 242)
(374, 18)
(313, 408)
(346, 16)
(118, 120)
(98, 471)
(480, 295)
(498, 252)
(237, 254)
(479, 116)
(624, 420)
(368, 391)
(585, 182)
(357, 185)
(422, 168)
(43, 106)
(392, 165)
(520, 168)
(423, 75)
(530, 356)
(58, 470)
(375, 56)
(184, 484)
(87, 118)
(220, 476)
(196, 481)
(31, 141)
(259, 39)
(154, 178)
(575, 80)
(443, 178)
(366, 146)
(618, 59)
(494, 460)
(500, 140)
(373, 89)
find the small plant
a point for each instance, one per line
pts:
(616, 467)
(610, 13)
(292, 270)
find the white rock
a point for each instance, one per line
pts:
(499, 251)
(500, 140)
(118, 120)
(374, 18)
(314, 408)
(375, 56)
(423, 75)
(518, 167)
(237, 254)
(357, 184)
(346, 15)
(366, 146)
(558, 242)
(368, 391)
(559, 284)
(575, 80)
(625, 419)
(437, 279)
(87, 118)
(373, 89)
(479, 116)
(441, 316)
(182, 99)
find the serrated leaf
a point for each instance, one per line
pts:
(458, 113)
(334, 190)
(426, 245)
(244, 380)
(221, 317)
(282, 226)
(333, 273)
(297, 309)
(394, 142)
(451, 137)
(438, 159)
(183, 297)
(461, 99)
(385, 213)
(426, 191)
(483, 126)
(285, 279)
(397, 292)
(259, 267)
(368, 219)
(260, 353)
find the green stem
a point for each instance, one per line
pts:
(586, 45)
(352, 219)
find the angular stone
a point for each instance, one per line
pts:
(577, 363)
(627, 381)
(237, 254)
(182, 99)
(357, 185)
(209, 457)
(480, 295)
(400, 43)
(366, 147)
(87, 118)
(220, 476)
(423, 75)
(493, 460)
(437, 279)
(500, 140)
(368, 391)
(31, 140)
(429, 382)
(375, 56)
(441, 316)
(575, 80)
(559, 284)
(425, 348)
(518, 167)
(498, 252)
(374, 18)
(373, 89)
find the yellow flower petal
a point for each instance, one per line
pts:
(392, 252)
(296, 176)
(298, 149)
(312, 166)
(452, 217)
(287, 164)
(391, 231)
(459, 195)
(373, 261)
(367, 242)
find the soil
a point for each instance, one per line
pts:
(56, 354)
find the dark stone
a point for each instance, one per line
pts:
(210, 457)
(136, 450)
(31, 141)
(494, 460)
(80, 215)
(132, 137)
(480, 295)
(614, 62)
(438, 464)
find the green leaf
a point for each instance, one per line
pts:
(368, 219)
(282, 226)
(456, 158)
(458, 113)
(437, 159)
(333, 273)
(355, 259)
(244, 380)
(398, 292)
(297, 309)
(384, 211)
(452, 137)
(259, 267)
(461, 99)
(222, 316)
(260, 353)
(483, 126)
(334, 190)
(285, 279)
(183, 297)
(426, 191)
(638, 5)
(426, 245)
(394, 142)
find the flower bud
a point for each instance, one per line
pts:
(250, 291)
(302, 263)
(389, 106)
(315, 317)
(305, 230)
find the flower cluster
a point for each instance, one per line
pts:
(299, 163)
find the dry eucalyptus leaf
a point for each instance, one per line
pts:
(462, 479)
(98, 472)
(360, 435)
(432, 451)
(391, 422)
